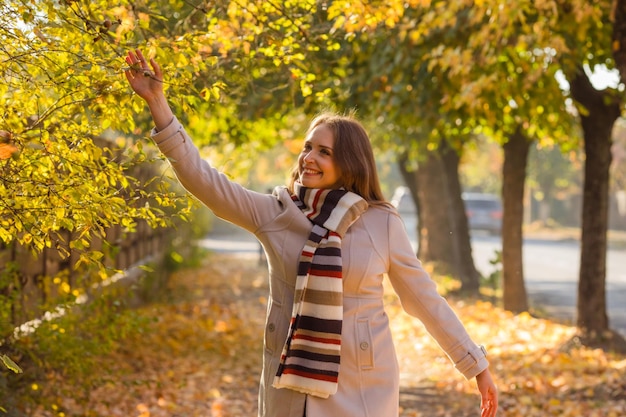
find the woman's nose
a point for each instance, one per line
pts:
(307, 156)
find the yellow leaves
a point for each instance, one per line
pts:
(214, 91)
(221, 326)
(27, 238)
(415, 35)
(9, 364)
(535, 377)
(204, 348)
(65, 287)
(357, 16)
(144, 20)
(143, 410)
(619, 364)
(554, 402)
(305, 88)
(69, 181)
(199, 355)
(125, 19)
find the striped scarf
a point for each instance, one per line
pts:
(310, 358)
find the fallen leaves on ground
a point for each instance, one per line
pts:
(202, 357)
(535, 376)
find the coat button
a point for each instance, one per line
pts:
(364, 345)
(271, 327)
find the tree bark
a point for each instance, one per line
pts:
(467, 272)
(601, 112)
(516, 151)
(443, 233)
(435, 229)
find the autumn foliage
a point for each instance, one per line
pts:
(198, 353)
(73, 143)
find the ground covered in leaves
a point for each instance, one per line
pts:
(200, 355)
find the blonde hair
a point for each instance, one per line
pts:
(353, 154)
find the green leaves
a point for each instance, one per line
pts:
(10, 364)
(64, 97)
(422, 68)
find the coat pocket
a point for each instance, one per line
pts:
(365, 347)
(272, 326)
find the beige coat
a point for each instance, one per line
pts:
(375, 246)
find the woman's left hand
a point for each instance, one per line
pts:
(488, 394)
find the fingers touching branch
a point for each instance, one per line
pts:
(146, 80)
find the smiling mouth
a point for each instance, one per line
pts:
(307, 171)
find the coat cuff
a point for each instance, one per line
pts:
(473, 362)
(170, 137)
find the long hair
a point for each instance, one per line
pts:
(353, 154)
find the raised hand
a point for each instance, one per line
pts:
(148, 84)
(145, 81)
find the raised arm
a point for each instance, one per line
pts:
(148, 84)
(227, 199)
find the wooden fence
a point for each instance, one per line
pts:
(31, 284)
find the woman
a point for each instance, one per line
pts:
(330, 238)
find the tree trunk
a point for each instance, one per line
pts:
(597, 124)
(435, 230)
(467, 272)
(516, 151)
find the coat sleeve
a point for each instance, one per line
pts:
(227, 199)
(419, 298)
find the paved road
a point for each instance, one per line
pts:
(551, 276)
(550, 269)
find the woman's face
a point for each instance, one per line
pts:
(316, 162)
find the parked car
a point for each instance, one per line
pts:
(484, 211)
(403, 202)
